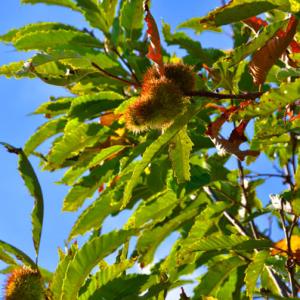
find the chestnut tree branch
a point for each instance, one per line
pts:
(290, 265)
(114, 76)
(246, 96)
(125, 62)
(245, 194)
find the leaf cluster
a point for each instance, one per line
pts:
(170, 181)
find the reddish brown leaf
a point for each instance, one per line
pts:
(219, 108)
(108, 118)
(101, 188)
(296, 117)
(214, 127)
(281, 248)
(295, 47)
(255, 23)
(265, 57)
(237, 137)
(245, 103)
(154, 50)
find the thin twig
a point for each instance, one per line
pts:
(125, 62)
(230, 198)
(183, 295)
(235, 223)
(270, 221)
(276, 279)
(289, 177)
(290, 266)
(264, 175)
(246, 96)
(146, 5)
(244, 193)
(245, 196)
(294, 148)
(114, 76)
(279, 171)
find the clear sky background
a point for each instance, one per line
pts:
(18, 98)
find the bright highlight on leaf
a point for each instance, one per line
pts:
(281, 247)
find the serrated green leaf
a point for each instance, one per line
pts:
(109, 7)
(9, 269)
(131, 18)
(87, 258)
(14, 34)
(65, 3)
(93, 216)
(206, 219)
(77, 136)
(34, 188)
(99, 14)
(89, 106)
(179, 152)
(19, 254)
(221, 242)
(86, 187)
(81, 59)
(194, 23)
(183, 40)
(238, 10)
(127, 287)
(156, 146)
(60, 273)
(216, 274)
(43, 133)
(151, 239)
(77, 169)
(227, 289)
(270, 282)
(64, 80)
(103, 277)
(15, 70)
(104, 154)
(283, 74)
(246, 49)
(54, 39)
(154, 211)
(272, 100)
(32, 184)
(54, 108)
(254, 270)
(6, 258)
(9, 36)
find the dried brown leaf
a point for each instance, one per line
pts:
(265, 57)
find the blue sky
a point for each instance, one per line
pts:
(20, 97)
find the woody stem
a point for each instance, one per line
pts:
(246, 96)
